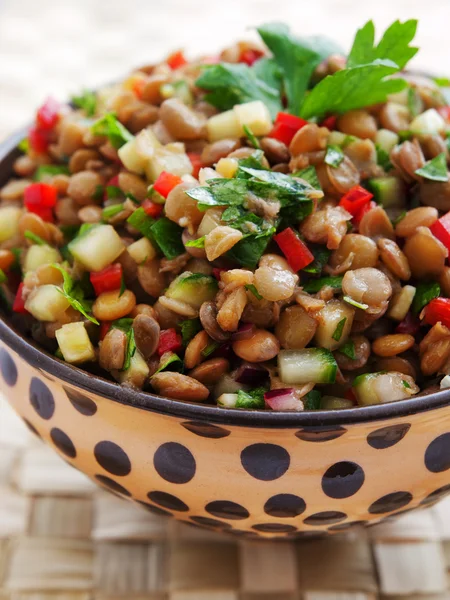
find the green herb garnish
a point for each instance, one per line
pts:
(111, 211)
(126, 325)
(354, 303)
(113, 129)
(87, 101)
(167, 236)
(189, 329)
(339, 329)
(3, 278)
(348, 349)
(74, 294)
(29, 235)
(210, 348)
(113, 191)
(425, 293)
(435, 169)
(334, 156)
(321, 255)
(24, 145)
(383, 158)
(172, 360)
(253, 399)
(251, 137)
(406, 384)
(198, 243)
(315, 285)
(142, 222)
(309, 174)
(251, 288)
(44, 171)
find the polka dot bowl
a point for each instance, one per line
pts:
(252, 474)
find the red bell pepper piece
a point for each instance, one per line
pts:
(48, 114)
(250, 56)
(355, 201)
(296, 252)
(138, 87)
(19, 302)
(169, 341)
(104, 328)
(196, 163)
(165, 183)
(286, 126)
(152, 209)
(217, 272)
(40, 198)
(438, 310)
(107, 280)
(177, 60)
(444, 111)
(329, 122)
(365, 209)
(38, 140)
(441, 230)
(410, 325)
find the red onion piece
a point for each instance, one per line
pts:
(249, 374)
(244, 332)
(283, 399)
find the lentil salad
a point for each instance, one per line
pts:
(266, 228)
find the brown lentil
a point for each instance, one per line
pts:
(422, 216)
(394, 259)
(146, 334)
(391, 345)
(112, 350)
(110, 306)
(211, 371)
(260, 347)
(180, 387)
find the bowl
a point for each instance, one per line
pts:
(248, 473)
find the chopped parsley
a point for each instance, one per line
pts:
(198, 243)
(348, 349)
(435, 169)
(189, 329)
(383, 158)
(251, 288)
(315, 285)
(251, 137)
(339, 329)
(111, 211)
(334, 156)
(74, 294)
(252, 399)
(126, 325)
(406, 384)
(356, 304)
(44, 171)
(210, 348)
(29, 235)
(113, 129)
(425, 293)
(167, 236)
(87, 101)
(321, 255)
(142, 222)
(172, 360)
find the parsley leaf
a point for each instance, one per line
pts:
(251, 288)
(110, 126)
(3, 278)
(49, 170)
(354, 303)
(126, 325)
(142, 222)
(348, 349)
(334, 156)
(435, 169)
(425, 293)
(394, 45)
(296, 57)
(339, 329)
(383, 158)
(315, 285)
(309, 174)
(198, 243)
(111, 211)
(169, 359)
(249, 250)
(252, 399)
(29, 235)
(321, 255)
(406, 384)
(74, 294)
(167, 236)
(210, 348)
(189, 329)
(251, 137)
(230, 84)
(86, 101)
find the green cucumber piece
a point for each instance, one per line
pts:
(310, 365)
(388, 191)
(193, 289)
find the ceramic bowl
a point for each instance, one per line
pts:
(254, 474)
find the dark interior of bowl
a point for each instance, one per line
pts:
(96, 382)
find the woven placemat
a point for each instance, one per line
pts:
(61, 538)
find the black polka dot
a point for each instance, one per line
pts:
(284, 506)
(437, 455)
(112, 458)
(206, 429)
(112, 485)
(63, 442)
(274, 528)
(265, 461)
(80, 402)
(168, 501)
(388, 436)
(436, 495)
(207, 522)
(390, 502)
(174, 463)
(344, 526)
(320, 434)
(41, 399)
(343, 479)
(32, 428)
(8, 368)
(154, 509)
(224, 509)
(327, 517)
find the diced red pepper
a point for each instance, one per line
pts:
(350, 395)
(365, 209)
(441, 230)
(438, 310)
(410, 325)
(40, 198)
(444, 111)
(250, 56)
(165, 183)
(19, 302)
(196, 162)
(104, 328)
(169, 341)
(329, 122)
(38, 140)
(138, 86)
(217, 272)
(107, 280)
(177, 60)
(152, 209)
(113, 181)
(296, 252)
(48, 114)
(285, 127)
(355, 201)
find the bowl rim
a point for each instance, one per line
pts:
(46, 363)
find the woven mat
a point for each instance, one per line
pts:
(61, 538)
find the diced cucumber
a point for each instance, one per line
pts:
(193, 289)
(171, 158)
(137, 372)
(386, 139)
(97, 248)
(401, 303)
(388, 191)
(335, 323)
(9, 222)
(74, 343)
(222, 126)
(227, 385)
(429, 122)
(136, 153)
(335, 403)
(46, 303)
(227, 400)
(40, 255)
(380, 388)
(141, 250)
(310, 365)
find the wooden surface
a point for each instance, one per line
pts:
(61, 538)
